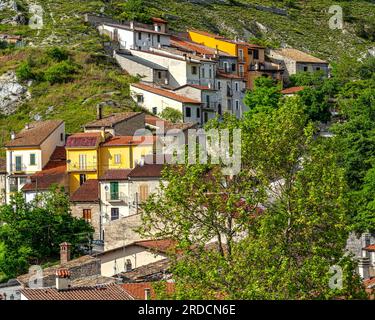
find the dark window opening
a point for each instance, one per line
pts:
(256, 54)
(115, 213)
(188, 112)
(82, 179)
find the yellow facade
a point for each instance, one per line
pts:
(212, 42)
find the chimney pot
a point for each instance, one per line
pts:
(62, 279)
(99, 112)
(64, 252)
(13, 135)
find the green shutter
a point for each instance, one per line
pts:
(32, 159)
(114, 191)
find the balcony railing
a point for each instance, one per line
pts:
(88, 166)
(116, 197)
(18, 168)
(210, 105)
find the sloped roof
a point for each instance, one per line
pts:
(84, 140)
(88, 192)
(163, 245)
(292, 90)
(165, 93)
(196, 86)
(116, 174)
(147, 171)
(100, 292)
(36, 134)
(112, 120)
(299, 56)
(154, 270)
(128, 140)
(137, 290)
(371, 247)
(143, 62)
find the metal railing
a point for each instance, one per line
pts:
(116, 197)
(210, 105)
(85, 166)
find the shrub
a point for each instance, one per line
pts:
(57, 54)
(24, 72)
(60, 72)
(171, 115)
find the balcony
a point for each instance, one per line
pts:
(77, 167)
(116, 197)
(18, 168)
(210, 105)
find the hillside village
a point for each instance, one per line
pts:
(109, 168)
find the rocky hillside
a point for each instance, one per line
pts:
(299, 23)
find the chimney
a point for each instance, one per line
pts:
(156, 27)
(166, 81)
(185, 56)
(12, 135)
(64, 252)
(142, 161)
(147, 294)
(62, 279)
(99, 112)
(132, 25)
(364, 268)
(27, 126)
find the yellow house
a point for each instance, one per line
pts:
(124, 152)
(250, 57)
(83, 158)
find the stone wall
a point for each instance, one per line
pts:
(121, 232)
(128, 127)
(77, 212)
(355, 243)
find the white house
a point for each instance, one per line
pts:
(30, 150)
(156, 99)
(134, 35)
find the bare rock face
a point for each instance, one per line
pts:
(13, 16)
(12, 93)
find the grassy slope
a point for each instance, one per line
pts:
(306, 28)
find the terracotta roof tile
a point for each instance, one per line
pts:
(165, 93)
(88, 192)
(292, 90)
(371, 247)
(86, 139)
(299, 56)
(369, 283)
(128, 140)
(147, 171)
(200, 87)
(45, 179)
(137, 290)
(112, 119)
(163, 245)
(155, 19)
(100, 292)
(35, 135)
(116, 174)
(152, 271)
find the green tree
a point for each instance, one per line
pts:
(31, 232)
(171, 114)
(264, 97)
(278, 226)
(60, 72)
(57, 54)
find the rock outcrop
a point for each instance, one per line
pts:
(12, 93)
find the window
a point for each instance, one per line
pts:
(237, 105)
(22, 181)
(219, 85)
(241, 70)
(226, 66)
(82, 161)
(188, 112)
(233, 67)
(236, 86)
(61, 136)
(317, 68)
(155, 110)
(18, 163)
(158, 38)
(219, 111)
(194, 70)
(240, 54)
(256, 54)
(203, 73)
(159, 74)
(117, 158)
(143, 192)
(149, 36)
(140, 99)
(205, 117)
(198, 113)
(32, 159)
(210, 73)
(115, 213)
(305, 68)
(82, 179)
(139, 35)
(114, 190)
(86, 214)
